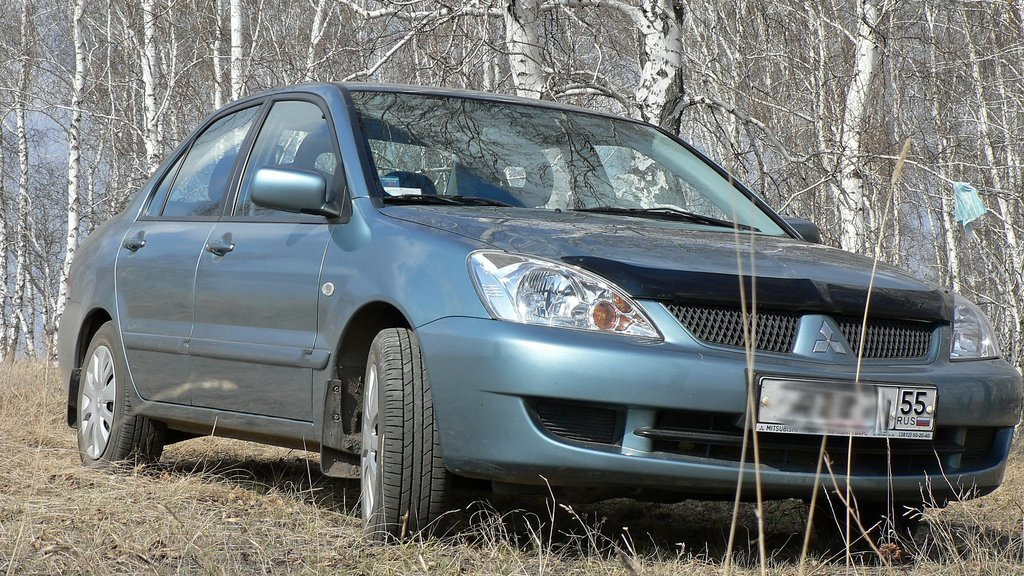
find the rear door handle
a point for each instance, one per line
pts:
(220, 247)
(133, 244)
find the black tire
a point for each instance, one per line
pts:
(108, 431)
(404, 484)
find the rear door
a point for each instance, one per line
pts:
(155, 269)
(258, 280)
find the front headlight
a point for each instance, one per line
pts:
(973, 337)
(536, 291)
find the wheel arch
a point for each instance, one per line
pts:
(90, 325)
(363, 327)
(340, 440)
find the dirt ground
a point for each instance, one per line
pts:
(215, 506)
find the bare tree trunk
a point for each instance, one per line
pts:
(22, 290)
(7, 338)
(43, 304)
(150, 81)
(659, 95)
(316, 32)
(525, 57)
(852, 196)
(1016, 259)
(74, 157)
(1008, 204)
(218, 65)
(490, 76)
(236, 48)
(949, 249)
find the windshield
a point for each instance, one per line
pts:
(479, 152)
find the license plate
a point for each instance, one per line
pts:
(843, 408)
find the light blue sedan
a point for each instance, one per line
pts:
(433, 287)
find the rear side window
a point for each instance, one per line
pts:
(296, 136)
(202, 180)
(157, 203)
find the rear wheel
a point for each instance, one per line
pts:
(108, 432)
(404, 484)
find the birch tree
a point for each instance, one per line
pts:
(7, 337)
(805, 100)
(853, 196)
(74, 154)
(150, 80)
(237, 81)
(525, 56)
(316, 34)
(22, 288)
(659, 94)
(216, 56)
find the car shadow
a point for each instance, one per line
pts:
(294, 474)
(691, 529)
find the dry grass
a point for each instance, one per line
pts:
(214, 506)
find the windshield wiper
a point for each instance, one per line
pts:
(441, 200)
(478, 201)
(668, 213)
(419, 199)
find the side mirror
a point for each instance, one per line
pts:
(808, 230)
(300, 191)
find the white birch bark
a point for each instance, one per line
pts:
(217, 56)
(659, 95)
(1015, 262)
(235, 7)
(525, 56)
(948, 250)
(6, 325)
(984, 131)
(150, 82)
(22, 291)
(1020, 18)
(316, 33)
(853, 195)
(74, 156)
(660, 90)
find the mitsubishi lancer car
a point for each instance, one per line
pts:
(435, 288)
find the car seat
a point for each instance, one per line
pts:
(466, 182)
(313, 146)
(216, 189)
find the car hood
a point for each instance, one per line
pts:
(688, 264)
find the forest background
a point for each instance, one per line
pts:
(807, 101)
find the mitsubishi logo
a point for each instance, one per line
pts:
(823, 345)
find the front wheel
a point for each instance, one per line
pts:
(108, 432)
(404, 484)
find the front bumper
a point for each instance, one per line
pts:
(493, 382)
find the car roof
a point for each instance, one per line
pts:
(431, 91)
(469, 95)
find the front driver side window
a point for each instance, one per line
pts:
(202, 181)
(295, 136)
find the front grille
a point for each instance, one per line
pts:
(720, 437)
(772, 331)
(888, 338)
(775, 331)
(579, 422)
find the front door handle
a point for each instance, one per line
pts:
(134, 244)
(220, 247)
